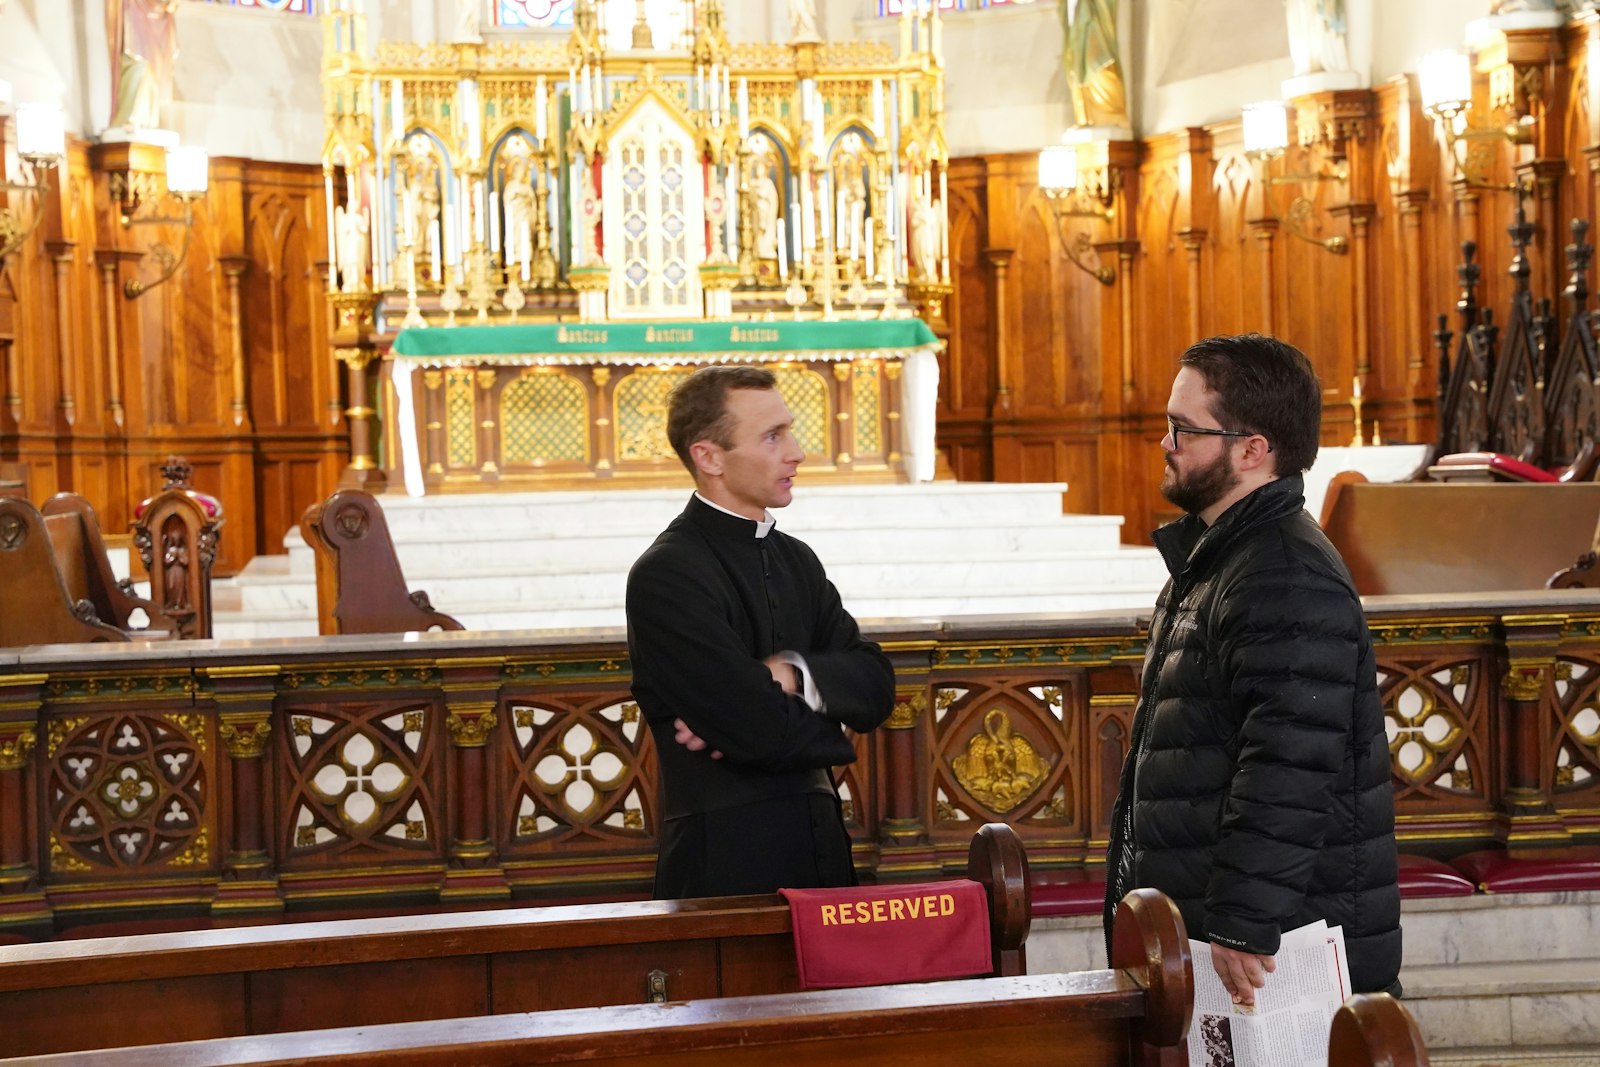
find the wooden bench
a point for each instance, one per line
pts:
(266, 979)
(1458, 537)
(36, 606)
(85, 566)
(360, 587)
(1137, 1013)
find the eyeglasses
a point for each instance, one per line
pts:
(1175, 428)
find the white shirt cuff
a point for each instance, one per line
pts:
(808, 685)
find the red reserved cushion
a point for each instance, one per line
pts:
(1505, 465)
(876, 935)
(1069, 893)
(1423, 877)
(1495, 872)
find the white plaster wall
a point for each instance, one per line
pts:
(45, 47)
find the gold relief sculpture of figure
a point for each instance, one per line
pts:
(764, 194)
(351, 244)
(143, 40)
(999, 769)
(1317, 35)
(1094, 67)
(520, 201)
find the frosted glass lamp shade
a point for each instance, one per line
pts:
(1446, 82)
(1058, 168)
(1266, 127)
(187, 171)
(41, 132)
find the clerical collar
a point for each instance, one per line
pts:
(763, 526)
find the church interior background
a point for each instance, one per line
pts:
(446, 251)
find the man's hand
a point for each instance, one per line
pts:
(784, 673)
(686, 737)
(1242, 973)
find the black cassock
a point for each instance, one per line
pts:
(707, 602)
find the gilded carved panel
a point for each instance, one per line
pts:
(577, 770)
(129, 791)
(361, 780)
(1003, 752)
(1577, 741)
(1437, 734)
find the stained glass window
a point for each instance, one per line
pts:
(541, 14)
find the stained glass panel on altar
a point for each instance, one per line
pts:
(540, 14)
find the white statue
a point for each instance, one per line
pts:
(1317, 35)
(469, 14)
(924, 235)
(351, 246)
(803, 21)
(138, 96)
(519, 197)
(764, 192)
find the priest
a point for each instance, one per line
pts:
(745, 663)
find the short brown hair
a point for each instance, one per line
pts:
(698, 407)
(1265, 386)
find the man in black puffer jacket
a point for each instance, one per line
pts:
(1257, 793)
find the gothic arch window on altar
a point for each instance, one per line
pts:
(296, 7)
(654, 218)
(533, 14)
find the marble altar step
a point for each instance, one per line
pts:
(554, 560)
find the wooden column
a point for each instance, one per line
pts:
(471, 688)
(244, 697)
(905, 752)
(22, 903)
(1528, 815)
(844, 401)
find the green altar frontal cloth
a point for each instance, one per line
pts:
(661, 343)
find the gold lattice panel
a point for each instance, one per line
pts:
(544, 418)
(461, 424)
(641, 404)
(868, 391)
(806, 393)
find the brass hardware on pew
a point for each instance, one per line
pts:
(655, 987)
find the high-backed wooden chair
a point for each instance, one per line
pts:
(360, 588)
(85, 566)
(35, 607)
(176, 532)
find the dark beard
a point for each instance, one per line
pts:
(1201, 487)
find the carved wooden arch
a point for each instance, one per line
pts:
(1572, 408)
(1515, 412)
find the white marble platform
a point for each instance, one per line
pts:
(1499, 980)
(556, 560)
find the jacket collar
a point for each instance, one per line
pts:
(1189, 545)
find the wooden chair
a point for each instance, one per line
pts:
(360, 587)
(85, 567)
(35, 606)
(176, 532)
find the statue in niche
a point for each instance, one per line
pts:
(1094, 69)
(764, 194)
(1317, 35)
(469, 26)
(351, 245)
(419, 198)
(174, 567)
(143, 41)
(803, 21)
(519, 199)
(924, 235)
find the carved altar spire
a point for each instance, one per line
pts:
(1467, 274)
(1580, 253)
(1521, 232)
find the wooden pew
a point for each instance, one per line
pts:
(360, 588)
(35, 604)
(1457, 537)
(1375, 1030)
(85, 565)
(1135, 1014)
(266, 979)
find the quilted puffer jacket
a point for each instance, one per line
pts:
(1257, 791)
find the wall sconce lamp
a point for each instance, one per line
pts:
(1266, 137)
(1079, 182)
(1445, 79)
(41, 143)
(187, 179)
